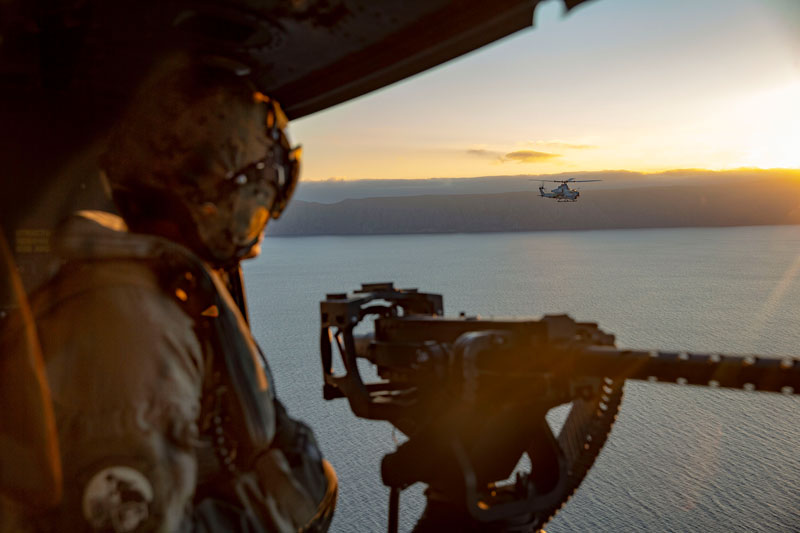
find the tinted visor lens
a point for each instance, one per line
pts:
(280, 170)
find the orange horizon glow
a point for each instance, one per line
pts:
(787, 173)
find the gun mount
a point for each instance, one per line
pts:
(471, 395)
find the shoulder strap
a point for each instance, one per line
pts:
(30, 464)
(184, 277)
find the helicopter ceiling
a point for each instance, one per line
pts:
(309, 54)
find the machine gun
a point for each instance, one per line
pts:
(471, 395)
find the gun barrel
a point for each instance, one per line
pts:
(715, 370)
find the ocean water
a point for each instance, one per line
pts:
(679, 459)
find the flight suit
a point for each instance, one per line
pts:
(165, 408)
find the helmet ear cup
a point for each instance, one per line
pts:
(285, 159)
(292, 165)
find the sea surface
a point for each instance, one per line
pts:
(679, 459)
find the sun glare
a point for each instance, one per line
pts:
(769, 124)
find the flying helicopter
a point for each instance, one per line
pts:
(563, 193)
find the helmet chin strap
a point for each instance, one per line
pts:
(242, 252)
(235, 284)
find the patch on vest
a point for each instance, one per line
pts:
(117, 499)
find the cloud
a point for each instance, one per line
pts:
(481, 152)
(519, 156)
(528, 156)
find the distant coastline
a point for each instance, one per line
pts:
(765, 201)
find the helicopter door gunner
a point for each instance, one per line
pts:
(166, 409)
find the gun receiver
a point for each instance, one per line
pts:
(471, 395)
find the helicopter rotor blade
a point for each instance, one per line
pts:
(570, 180)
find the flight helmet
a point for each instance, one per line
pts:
(203, 158)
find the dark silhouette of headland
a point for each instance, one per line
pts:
(679, 199)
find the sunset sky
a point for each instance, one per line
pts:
(643, 85)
